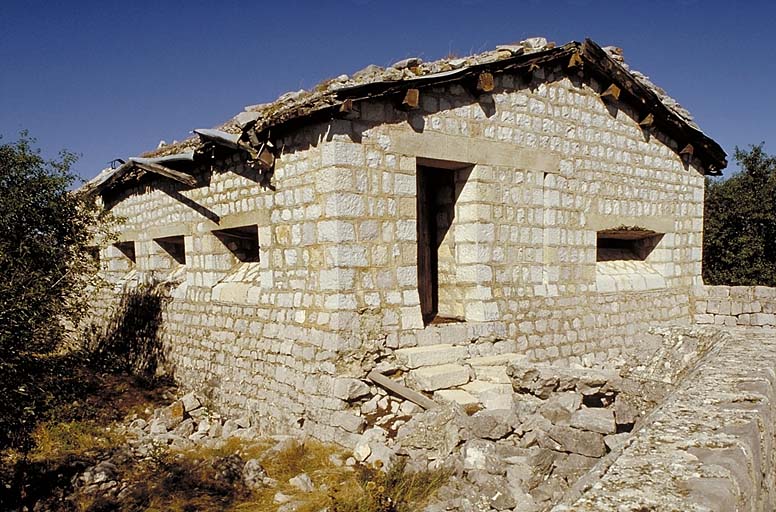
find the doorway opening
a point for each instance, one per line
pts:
(438, 186)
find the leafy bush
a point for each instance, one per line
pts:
(45, 255)
(739, 246)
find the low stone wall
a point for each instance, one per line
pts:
(735, 305)
(710, 446)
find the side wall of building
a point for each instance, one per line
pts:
(257, 337)
(541, 166)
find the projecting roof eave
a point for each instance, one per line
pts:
(257, 125)
(109, 177)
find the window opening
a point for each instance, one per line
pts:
(174, 246)
(626, 244)
(127, 249)
(243, 242)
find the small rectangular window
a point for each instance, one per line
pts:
(173, 246)
(127, 249)
(626, 244)
(243, 242)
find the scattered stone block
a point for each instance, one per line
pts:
(431, 355)
(347, 421)
(497, 374)
(491, 424)
(615, 441)
(458, 396)
(442, 376)
(171, 415)
(594, 419)
(302, 482)
(190, 402)
(573, 466)
(350, 389)
(624, 412)
(479, 454)
(477, 387)
(573, 440)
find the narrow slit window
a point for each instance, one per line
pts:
(127, 249)
(174, 246)
(626, 244)
(242, 242)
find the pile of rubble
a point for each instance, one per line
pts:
(525, 452)
(561, 422)
(186, 424)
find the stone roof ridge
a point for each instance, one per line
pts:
(402, 70)
(374, 81)
(616, 55)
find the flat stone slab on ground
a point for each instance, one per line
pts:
(573, 440)
(497, 374)
(431, 378)
(595, 419)
(499, 360)
(477, 387)
(458, 396)
(430, 355)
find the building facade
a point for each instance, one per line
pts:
(535, 199)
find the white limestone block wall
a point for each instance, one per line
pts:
(745, 306)
(336, 284)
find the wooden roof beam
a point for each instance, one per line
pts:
(180, 177)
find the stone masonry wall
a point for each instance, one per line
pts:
(735, 305)
(715, 457)
(336, 286)
(550, 165)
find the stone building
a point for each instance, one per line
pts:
(535, 199)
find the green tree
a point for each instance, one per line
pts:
(739, 246)
(46, 260)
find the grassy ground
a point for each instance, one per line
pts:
(71, 425)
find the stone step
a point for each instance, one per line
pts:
(499, 360)
(431, 355)
(491, 395)
(458, 396)
(431, 378)
(496, 374)
(478, 387)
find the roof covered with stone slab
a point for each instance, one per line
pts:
(254, 129)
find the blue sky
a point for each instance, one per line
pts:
(110, 79)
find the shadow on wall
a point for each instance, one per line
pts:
(131, 340)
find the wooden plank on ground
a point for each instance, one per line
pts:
(401, 390)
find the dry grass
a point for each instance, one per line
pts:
(54, 440)
(79, 430)
(340, 488)
(195, 480)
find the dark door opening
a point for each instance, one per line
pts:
(436, 210)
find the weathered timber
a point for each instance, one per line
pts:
(181, 177)
(612, 91)
(265, 157)
(599, 63)
(485, 82)
(411, 99)
(401, 390)
(647, 121)
(346, 106)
